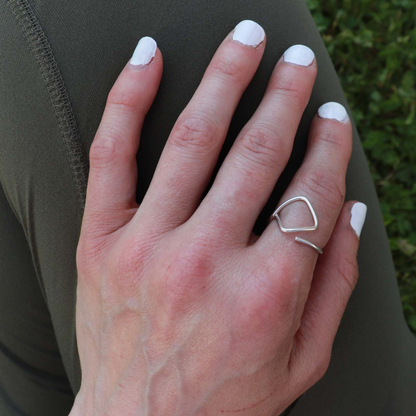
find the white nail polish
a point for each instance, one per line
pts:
(299, 55)
(145, 51)
(249, 33)
(333, 111)
(358, 213)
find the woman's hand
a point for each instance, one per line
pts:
(181, 310)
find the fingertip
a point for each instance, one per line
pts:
(349, 226)
(333, 111)
(146, 61)
(144, 53)
(331, 138)
(137, 84)
(299, 55)
(249, 33)
(358, 213)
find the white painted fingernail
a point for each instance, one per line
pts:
(145, 51)
(249, 33)
(299, 55)
(334, 111)
(358, 213)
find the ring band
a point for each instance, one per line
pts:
(308, 243)
(276, 216)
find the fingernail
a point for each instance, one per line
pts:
(299, 55)
(334, 111)
(249, 33)
(145, 51)
(358, 213)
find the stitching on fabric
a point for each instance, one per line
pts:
(57, 91)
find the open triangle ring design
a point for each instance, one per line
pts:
(313, 227)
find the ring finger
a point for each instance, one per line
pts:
(321, 179)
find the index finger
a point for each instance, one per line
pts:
(113, 169)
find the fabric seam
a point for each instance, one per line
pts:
(58, 93)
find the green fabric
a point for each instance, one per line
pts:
(53, 87)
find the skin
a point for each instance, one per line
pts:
(181, 309)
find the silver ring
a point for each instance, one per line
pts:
(313, 227)
(308, 243)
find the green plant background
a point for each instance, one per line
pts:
(373, 46)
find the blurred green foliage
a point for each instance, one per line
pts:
(373, 46)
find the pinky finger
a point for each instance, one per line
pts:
(335, 277)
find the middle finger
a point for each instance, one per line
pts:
(192, 149)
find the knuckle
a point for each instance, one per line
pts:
(331, 138)
(288, 88)
(347, 270)
(338, 139)
(268, 300)
(106, 148)
(196, 133)
(226, 67)
(185, 278)
(326, 186)
(321, 366)
(221, 222)
(121, 99)
(314, 368)
(261, 146)
(285, 286)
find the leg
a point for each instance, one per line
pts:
(373, 368)
(32, 378)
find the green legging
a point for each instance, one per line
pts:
(58, 61)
